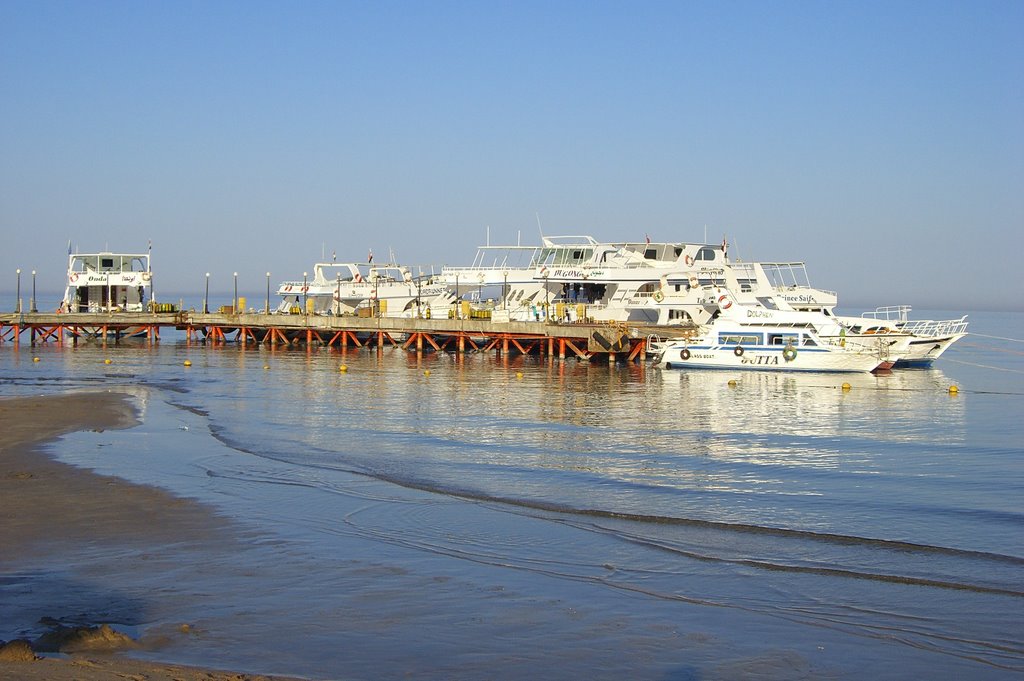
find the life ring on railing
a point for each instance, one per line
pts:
(724, 302)
(543, 271)
(694, 281)
(288, 287)
(358, 278)
(684, 353)
(689, 259)
(789, 353)
(73, 277)
(146, 276)
(658, 296)
(738, 351)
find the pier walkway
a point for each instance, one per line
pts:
(583, 341)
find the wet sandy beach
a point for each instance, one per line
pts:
(49, 509)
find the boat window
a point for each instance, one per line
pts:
(746, 285)
(679, 314)
(808, 341)
(783, 339)
(729, 338)
(107, 263)
(706, 254)
(678, 252)
(651, 254)
(768, 303)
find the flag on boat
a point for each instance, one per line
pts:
(369, 258)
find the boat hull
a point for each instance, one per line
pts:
(767, 358)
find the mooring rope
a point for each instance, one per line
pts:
(981, 335)
(946, 358)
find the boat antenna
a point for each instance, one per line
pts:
(488, 235)
(519, 237)
(705, 232)
(539, 228)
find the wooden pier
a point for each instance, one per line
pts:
(582, 341)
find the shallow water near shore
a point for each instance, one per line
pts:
(578, 521)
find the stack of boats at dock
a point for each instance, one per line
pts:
(702, 309)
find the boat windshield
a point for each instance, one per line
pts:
(109, 262)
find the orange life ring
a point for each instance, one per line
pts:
(73, 277)
(727, 304)
(689, 260)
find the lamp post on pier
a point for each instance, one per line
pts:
(304, 305)
(206, 296)
(234, 301)
(267, 308)
(18, 303)
(32, 306)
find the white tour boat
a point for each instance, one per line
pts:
(929, 338)
(389, 290)
(755, 337)
(577, 277)
(108, 282)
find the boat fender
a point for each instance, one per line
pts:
(738, 351)
(684, 353)
(789, 353)
(658, 296)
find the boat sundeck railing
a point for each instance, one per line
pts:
(889, 313)
(900, 315)
(789, 275)
(930, 328)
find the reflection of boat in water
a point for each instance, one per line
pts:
(387, 290)
(811, 404)
(765, 338)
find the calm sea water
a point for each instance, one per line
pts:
(579, 521)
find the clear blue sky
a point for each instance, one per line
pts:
(881, 142)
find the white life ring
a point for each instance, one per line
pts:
(73, 277)
(689, 259)
(694, 281)
(146, 276)
(724, 302)
(658, 296)
(358, 278)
